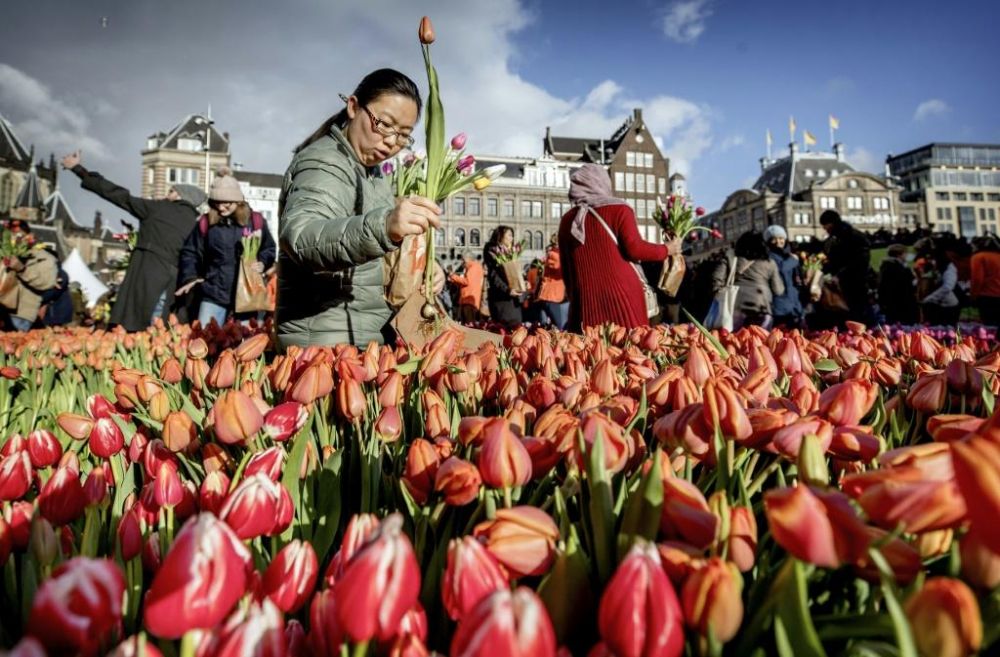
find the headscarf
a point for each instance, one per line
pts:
(589, 187)
(190, 194)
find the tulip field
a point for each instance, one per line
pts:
(656, 492)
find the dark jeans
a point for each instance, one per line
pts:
(556, 313)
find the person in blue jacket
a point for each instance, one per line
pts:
(787, 307)
(210, 257)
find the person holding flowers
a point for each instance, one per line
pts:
(505, 283)
(599, 241)
(210, 258)
(35, 270)
(786, 307)
(339, 218)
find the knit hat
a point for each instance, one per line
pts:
(190, 194)
(225, 188)
(775, 232)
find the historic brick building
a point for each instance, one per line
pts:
(189, 153)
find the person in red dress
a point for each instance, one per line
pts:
(601, 284)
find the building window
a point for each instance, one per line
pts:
(650, 183)
(458, 206)
(474, 209)
(961, 196)
(537, 209)
(942, 196)
(809, 173)
(993, 197)
(538, 241)
(648, 158)
(439, 236)
(459, 237)
(991, 214)
(630, 159)
(828, 202)
(492, 206)
(185, 176)
(526, 239)
(508, 207)
(820, 173)
(976, 196)
(150, 176)
(640, 183)
(661, 185)
(525, 209)
(640, 208)
(853, 184)
(880, 203)
(474, 237)
(631, 203)
(944, 214)
(853, 202)
(619, 181)
(967, 221)
(629, 182)
(189, 144)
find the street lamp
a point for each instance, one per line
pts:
(207, 122)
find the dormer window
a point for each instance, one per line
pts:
(820, 173)
(809, 173)
(853, 184)
(189, 144)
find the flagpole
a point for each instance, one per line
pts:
(768, 146)
(831, 134)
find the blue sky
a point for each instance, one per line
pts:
(711, 75)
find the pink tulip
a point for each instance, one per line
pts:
(285, 420)
(290, 578)
(471, 574)
(458, 142)
(504, 623)
(258, 507)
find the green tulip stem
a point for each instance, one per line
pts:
(188, 644)
(506, 497)
(360, 649)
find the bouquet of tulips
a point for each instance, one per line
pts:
(251, 289)
(130, 238)
(509, 260)
(812, 265)
(677, 219)
(15, 246)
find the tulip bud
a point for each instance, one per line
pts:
(686, 514)
(291, 576)
(167, 488)
(130, 647)
(743, 538)
(504, 461)
(212, 495)
(980, 563)
(258, 507)
(78, 609)
(522, 538)
(15, 476)
(106, 438)
(199, 581)
(944, 616)
(251, 348)
(171, 371)
(178, 431)
(236, 417)
(504, 623)
(421, 469)
(129, 536)
(928, 393)
(62, 500)
(426, 31)
(812, 462)
(471, 574)
(639, 612)
(95, 487)
(269, 462)
(76, 426)
(458, 141)
(285, 420)
(458, 480)
(315, 382)
(712, 600)
(389, 425)
(43, 448)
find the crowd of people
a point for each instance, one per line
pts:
(340, 224)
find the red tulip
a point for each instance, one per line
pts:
(62, 500)
(290, 578)
(459, 481)
(130, 648)
(43, 448)
(325, 636)
(360, 529)
(906, 495)
(268, 462)
(129, 536)
(285, 420)
(167, 487)
(15, 476)
(380, 584)
(6, 541)
(945, 618)
(522, 538)
(106, 438)
(235, 417)
(99, 407)
(504, 623)
(426, 31)
(471, 574)
(79, 608)
(639, 614)
(504, 461)
(258, 507)
(256, 630)
(712, 600)
(18, 518)
(199, 581)
(213, 492)
(686, 515)
(95, 487)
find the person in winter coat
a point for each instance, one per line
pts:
(552, 291)
(148, 289)
(470, 289)
(941, 306)
(339, 218)
(759, 281)
(786, 307)
(848, 258)
(985, 279)
(212, 251)
(57, 302)
(897, 288)
(37, 274)
(598, 241)
(505, 307)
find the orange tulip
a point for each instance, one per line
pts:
(522, 538)
(742, 537)
(223, 372)
(504, 461)
(178, 431)
(723, 409)
(788, 439)
(351, 402)
(389, 425)
(197, 349)
(698, 367)
(236, 417)
(848, 402)
(949, 428)
(712, 600)
(426, 31)
(436, 420)
(77, 426)
(802, 391)
(195, 371)
(597, 426)
(421, 468)
(391, 390)
(905, 495)
(928, 393)
(980, 563)
(159, 406)
(315, 382)
(820, 528)
(976, 460)
(945, 618)
(604, 379)
(459, 481)
(251, 348)
(686, 515)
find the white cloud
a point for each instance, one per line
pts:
(931, 108)
(44, 119)
(684, 20)
(731, 142)
(863, 159)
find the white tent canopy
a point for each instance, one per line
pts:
(79, 272)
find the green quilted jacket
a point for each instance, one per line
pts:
(333, 240)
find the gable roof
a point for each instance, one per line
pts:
(192, 127)
(56, 208)
(587, 149)
(30, 194)
(11, 148)
(793, 175)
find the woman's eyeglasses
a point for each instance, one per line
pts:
(384, 129)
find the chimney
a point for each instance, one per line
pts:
(764, 163)
(793, 149)
(98, 224)
(637, 115)
(838, 150)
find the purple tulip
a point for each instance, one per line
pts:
(387, 168)
(458, 141)
(466, 164)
